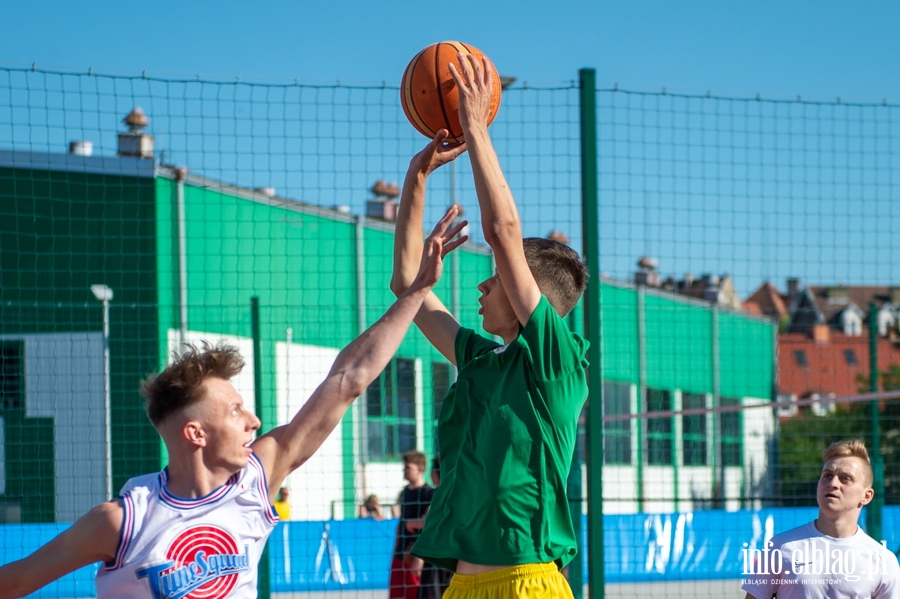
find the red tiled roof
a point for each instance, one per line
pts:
(827, 369)
(769, 300)
(753, 308)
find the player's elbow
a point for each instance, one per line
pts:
(353, 383)
(398, 285)
(502, 230)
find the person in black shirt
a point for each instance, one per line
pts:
(414, 500)
(434, 580)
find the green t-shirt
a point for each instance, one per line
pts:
(506, 437)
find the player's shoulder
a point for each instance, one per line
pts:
(876, 548)
(544, 311)
(545, 321)
(104, 518)
(802, 532)
(141, 485)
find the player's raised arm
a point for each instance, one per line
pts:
(499, 217)
(92, 538)
(285, 448)
(434, 320)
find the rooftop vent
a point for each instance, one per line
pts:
(135, 142)
(81, 148)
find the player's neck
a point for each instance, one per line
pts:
(841, 527)
(188, 481)
(416, 484)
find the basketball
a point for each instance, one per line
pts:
(428, 93)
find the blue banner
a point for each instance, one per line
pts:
(356, 554)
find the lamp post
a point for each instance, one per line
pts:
(105, 294)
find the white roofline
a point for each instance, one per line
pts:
(98, 165)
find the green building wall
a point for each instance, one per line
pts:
(62, 231)
(679, 340)
(301, 264)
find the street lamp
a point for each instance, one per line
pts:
(105, 294)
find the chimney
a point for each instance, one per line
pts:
(894, 294)
(793, 287)
(134, 142)
(558, 236)
(647, 274)
(381, 209)
(821, 333)
(81, 148)
(384, 205)
(838, 294)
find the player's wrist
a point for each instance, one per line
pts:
(474, 128)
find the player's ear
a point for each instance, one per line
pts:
(194, 433)
(870, 493)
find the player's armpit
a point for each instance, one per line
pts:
(438, 326)
(92, 538)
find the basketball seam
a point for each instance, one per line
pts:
(411, 107)
(440, 95)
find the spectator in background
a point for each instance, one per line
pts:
(283, 504)
(830, 557)
(414, 500)
(371, 508)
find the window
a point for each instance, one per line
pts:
(440, 379)
(693, 430)
(731, 433)
(391, 411)
(11, 377)
(850, 356)
(659, 430)
(616, 433)
(800, 356)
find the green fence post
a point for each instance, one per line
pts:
(575, 492)
(874, 509)
(590, 217)
(263, 580)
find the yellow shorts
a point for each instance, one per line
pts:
(531, 581)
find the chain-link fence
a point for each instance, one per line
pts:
(744, 293)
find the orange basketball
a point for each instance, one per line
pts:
(428, 94)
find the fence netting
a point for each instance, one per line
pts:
(749, 305)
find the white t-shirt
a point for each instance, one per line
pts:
(804, 563)
(173, 548)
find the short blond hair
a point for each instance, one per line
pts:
(854, 448)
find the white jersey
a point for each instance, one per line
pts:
(174, 548)
(804, 563)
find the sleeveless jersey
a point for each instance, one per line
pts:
(175, 548)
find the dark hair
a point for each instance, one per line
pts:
(414, 457)
(436, 463)
(558, 271)
(180, 384)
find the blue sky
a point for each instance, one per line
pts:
(818, 49)
(821, 207)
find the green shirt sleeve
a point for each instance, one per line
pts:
(556, 352)
(470, 345)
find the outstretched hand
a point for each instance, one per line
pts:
(474, 79)
(436, 154)
(437, 245)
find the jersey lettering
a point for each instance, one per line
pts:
(203, 563)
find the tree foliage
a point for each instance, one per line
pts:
(802, 440)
